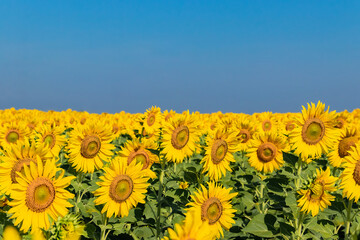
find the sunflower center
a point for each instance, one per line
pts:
(266, 125)
(151, 119)
(345, 145)
(12, 136)
(139, 156)
(121, 188)
(244, 135)
(356, 174)
(313, 131)
(180, 137)
(49, 139)
(266, 152)
(290, 126)
(218, 151)
(40, 194)
(90, 146)
(19, 167)
(211, 210)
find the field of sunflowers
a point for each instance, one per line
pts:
(167, 175)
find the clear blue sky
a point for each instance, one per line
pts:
(207, 56)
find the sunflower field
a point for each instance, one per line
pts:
(190, 176)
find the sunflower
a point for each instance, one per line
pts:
(192, 228)
(348, 138)
(214, 207)
(350, 177)
(265, 153)
(153, 119)
(219, 153)
(122, 187)
(316, 196)
(39, 195)
(52, 136)
(12, 132)
(89, 146)
(266, 121)
(16, 158)
(245, 129)
(315, 132)
(179, 136)
(139, 151)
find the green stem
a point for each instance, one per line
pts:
(79, 195)
(348, 219)
(298, 179)
(299, 225)
(261, 195)
(159, 199)
(103, 228)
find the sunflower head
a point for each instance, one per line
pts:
(214, 207)
(316, 196)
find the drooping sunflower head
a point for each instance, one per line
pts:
(122, 187)
(316, 196)
(213, 205)
(316, 131)
(265, 152)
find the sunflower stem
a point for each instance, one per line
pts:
(159, 198)
(298, 179)
(103, 228)
(348, 219)
(299, 225)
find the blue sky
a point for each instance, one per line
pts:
(207, 56)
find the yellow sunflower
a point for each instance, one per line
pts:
(179, 136)
(16, 158)
(52, 136)
(350, 177)
(266, 121)
(315, 132)
(219, 153)
(89, 146)
(245, 129)
(192, 228)
(265, 153)
(153, 120)
(316, 196)
(39, 195)
(213, 205)
(12, 132)
(348, 138)
(122, 187)
(139, 151)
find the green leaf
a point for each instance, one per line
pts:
(320, 230)
(258, 227)
(290, 201)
